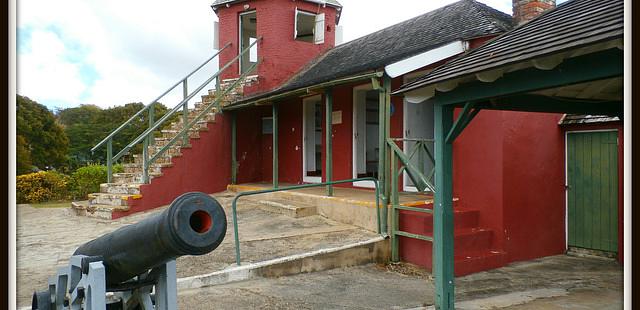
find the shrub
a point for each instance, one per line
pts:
(41, 186)
(87, 179)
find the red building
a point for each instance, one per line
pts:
(302, 91)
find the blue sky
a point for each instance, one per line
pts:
(76, 52)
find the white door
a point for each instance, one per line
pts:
(418, 124)
(365, 134)
(312, 140)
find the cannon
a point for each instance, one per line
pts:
(134, 267)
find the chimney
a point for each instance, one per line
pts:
(525, 10)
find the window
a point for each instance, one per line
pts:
(309, 27)
(267, 125)
(248, 26)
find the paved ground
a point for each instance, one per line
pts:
(48, 237)
(559, 282)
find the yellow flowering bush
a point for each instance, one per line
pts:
(41, 186)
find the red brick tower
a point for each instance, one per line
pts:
(292, 32)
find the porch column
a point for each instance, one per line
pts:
(274, 147)
(443, 209)
(234, 160)
(328, 97)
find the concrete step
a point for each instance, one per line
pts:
(287, 207)
(472, 248)
(114, 200)
(83, 208)
(120, 188)
(422, 223)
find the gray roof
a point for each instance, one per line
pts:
(571, 119)
(464, 19)
(218, 3)
(461, 20)
(570, 25)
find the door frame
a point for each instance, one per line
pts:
(305, 178)
(566, 176)
(240, 36)
(410, 77)
(354, 131)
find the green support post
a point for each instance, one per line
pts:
(443, 210)
(234, 160)
(386, 96)
(109, 160)
(152, 120)
(328, 95)
(394, 203)
(275, 144)
(145, 161)
(185, 112)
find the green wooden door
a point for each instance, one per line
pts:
(592, 196)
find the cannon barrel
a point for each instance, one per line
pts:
(194, 224)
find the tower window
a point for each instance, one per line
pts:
(309, 27)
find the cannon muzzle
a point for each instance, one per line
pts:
(194, 224)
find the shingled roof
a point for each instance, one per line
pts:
(570, 25)
(461, 20)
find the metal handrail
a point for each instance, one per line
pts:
(381, 226)
(157, 124)
(419, 180)
(154, 101)
(204, 112)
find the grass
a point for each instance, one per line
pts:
(51, 204)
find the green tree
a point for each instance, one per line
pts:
(44, 139)
(23, 156)
(87, 125)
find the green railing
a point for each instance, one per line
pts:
(150, 108)
(420, 181)
(147, 137)
(381, 220)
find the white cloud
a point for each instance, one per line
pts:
(43, 73)
(139, 48)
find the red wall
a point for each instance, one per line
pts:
(510, 166)
(204, 167)
(281, 55)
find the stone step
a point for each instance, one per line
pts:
(83, 208)
(120, 188)
(287, 207)
(121, 178)
(170, 133)
(164, 159)
(111, 199)
(137, 168)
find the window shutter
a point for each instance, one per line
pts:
(216, 35)
(318, 33)
(295, 24)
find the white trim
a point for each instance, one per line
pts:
(354, 125)
(240, 37)
(424, 59)
(305, 178)
(566, 178)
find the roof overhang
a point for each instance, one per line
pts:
(542, 63)
(277, 95)
(426, 58)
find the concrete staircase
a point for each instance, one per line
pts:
(473, 245)
(125, 186)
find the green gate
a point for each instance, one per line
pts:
(592, 196)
